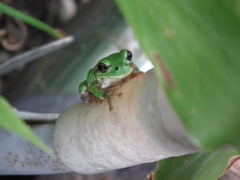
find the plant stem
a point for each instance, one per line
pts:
(29, 20)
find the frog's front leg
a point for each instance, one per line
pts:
(102, 94)
(86, 96)
(83, 89)
(99, 93)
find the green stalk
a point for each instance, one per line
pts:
(29, 20)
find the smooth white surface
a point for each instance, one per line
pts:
(141, 128)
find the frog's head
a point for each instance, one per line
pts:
(112, 69)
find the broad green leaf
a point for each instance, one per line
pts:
(207, 166)
(195, 47)
(29, 20)
(11, 122)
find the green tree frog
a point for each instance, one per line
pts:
(108, 72)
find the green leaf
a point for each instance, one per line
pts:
(29, 20)
(11, 122)
(207, 166)
(195, 47)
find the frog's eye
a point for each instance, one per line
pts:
(129, 55)
(102, 68)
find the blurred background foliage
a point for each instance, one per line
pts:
(195, 47)
(10, 121)
(198, 44)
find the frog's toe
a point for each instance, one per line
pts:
(85, 94)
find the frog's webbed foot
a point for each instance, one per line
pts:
(112, 94)
(110, 104)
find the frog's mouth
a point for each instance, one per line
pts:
(111, 81)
